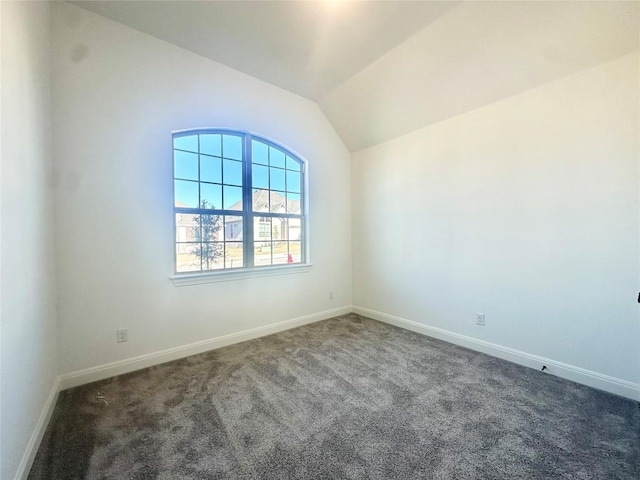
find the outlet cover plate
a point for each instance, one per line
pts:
(121, 335)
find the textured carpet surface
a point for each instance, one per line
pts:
(343, 398)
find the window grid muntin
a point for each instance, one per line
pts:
(247, 189)
(202, 238)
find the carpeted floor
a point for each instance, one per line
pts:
(343, 398)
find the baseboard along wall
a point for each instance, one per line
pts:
(100, 372)
(570, 372)
(73, 379)
(36, 437)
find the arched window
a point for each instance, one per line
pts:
(239, 202)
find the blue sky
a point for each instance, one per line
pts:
(268, 165)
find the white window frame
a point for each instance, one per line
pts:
(248, 270)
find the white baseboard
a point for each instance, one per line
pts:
(100, 372)
(576, 374)
(36, 437)
(88, 375)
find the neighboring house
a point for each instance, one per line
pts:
(281, 228)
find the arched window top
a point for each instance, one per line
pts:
(228, 144)
(239, 202)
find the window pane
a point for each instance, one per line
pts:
(277, 179)
(211, 228)
(211, 254)
(182, 247)
(186, 194)
(181, 234)
(259, 153)
(292, 164)
(232, 198)
(210, 196)
(293, 203)
(278, 228)
(232, 147)
(232, 171)
(187, 142)
(294, 230)
(233, 255)
(260, 200)
(262, 229)
(293, 181)
(276, 158)
(280, 254)
(210, 169)
(262, 254)
(185, 165)
(277, 202)
(295, 250)
(211, 144)
(186, 259)
(260, 176)
(233, 230)
(187, 227)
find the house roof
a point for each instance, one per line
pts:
(261, 203)
(278, 202)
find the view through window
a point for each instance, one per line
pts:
(238, 202)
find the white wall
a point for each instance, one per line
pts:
(526, 210)
(118, 94)
(28, 353)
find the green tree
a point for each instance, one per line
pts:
(206, 230)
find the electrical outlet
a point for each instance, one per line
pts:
(331, 296)
(121, 335)
(480, 319)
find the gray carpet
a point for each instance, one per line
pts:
(343, 398)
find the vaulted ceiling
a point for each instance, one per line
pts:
(306, 47)
(382, 69)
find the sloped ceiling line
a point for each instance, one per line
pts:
(379, 70)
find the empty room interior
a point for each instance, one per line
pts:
(320, 239)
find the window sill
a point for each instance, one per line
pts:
(184, 279)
